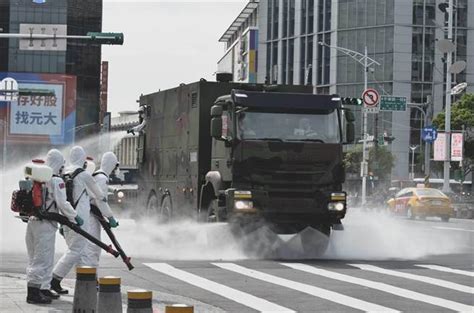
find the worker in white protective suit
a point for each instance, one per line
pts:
(109, 164)
(83, 185)
(140, 128)
(41, 234)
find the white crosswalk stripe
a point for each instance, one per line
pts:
(446, 269)
(308, 289)
(246, 299)
(448, 304)
(428, 280)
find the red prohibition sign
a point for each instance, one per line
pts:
(370, 97)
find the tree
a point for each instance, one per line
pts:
(381, 161)
(462, 114)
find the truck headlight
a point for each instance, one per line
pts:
(243, 205)
(336, 206)
(120, 194)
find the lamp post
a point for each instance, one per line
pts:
(4, 152)
(366, 62)
(413, 148)
(449, 8)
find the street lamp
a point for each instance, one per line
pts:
(366, 62)
(448, 47)
(4, 153)
(413, 148)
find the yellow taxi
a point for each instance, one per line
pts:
(421, 202)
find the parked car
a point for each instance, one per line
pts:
(421, 202)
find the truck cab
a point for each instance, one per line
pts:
(277, 158)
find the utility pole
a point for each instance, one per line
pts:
(364, 165)
(413, 148)
(366, 62)
(447, 121)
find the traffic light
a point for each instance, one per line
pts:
(106, 38)
(352, 101)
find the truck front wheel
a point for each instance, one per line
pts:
(161, 212)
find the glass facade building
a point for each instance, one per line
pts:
(400, 35)
(80, 59)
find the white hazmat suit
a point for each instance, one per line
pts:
(41, 234)
(75, 242)
(92, 252)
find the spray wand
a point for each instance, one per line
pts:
(126, 259)
(61, 219)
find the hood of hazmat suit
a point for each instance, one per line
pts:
(55, 160)
(77, 157)
(108, 163)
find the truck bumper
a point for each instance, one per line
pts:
(287, 216)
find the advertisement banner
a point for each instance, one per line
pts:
(439, 147)
(456, 146)
(45, 111)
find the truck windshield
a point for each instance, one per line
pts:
(323, 127)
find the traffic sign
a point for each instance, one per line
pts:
(429, 134)
(393, 103)
(371, 99)
(8, 89)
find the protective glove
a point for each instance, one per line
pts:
(112, 222)
(79, 220)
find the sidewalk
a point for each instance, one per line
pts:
(13, 298)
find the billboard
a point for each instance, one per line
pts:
(45, 110)
(439, 147)
(456, 146)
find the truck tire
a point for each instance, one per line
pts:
(166, 210)
(152, 205)
(159, 211)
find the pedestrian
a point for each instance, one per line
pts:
(109, 164)
(82, 184)
(41, 234)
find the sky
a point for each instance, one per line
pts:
(166, 43)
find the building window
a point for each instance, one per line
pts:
(292, 18)
(284, 63)
(275, 18)
(291, 59)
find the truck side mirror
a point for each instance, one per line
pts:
(216, 127)
(350, 117)
(216, 111)
(350, 133)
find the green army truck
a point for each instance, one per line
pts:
(244, 154)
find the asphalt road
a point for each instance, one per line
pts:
(409, 266)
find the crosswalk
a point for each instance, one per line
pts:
(353, 286)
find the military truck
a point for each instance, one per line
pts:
(243, 154)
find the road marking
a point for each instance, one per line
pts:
(446, 269)
(246, 299)
(428, 280)
(452, 228)
(383, 287)
(308, 289)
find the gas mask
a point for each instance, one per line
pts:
(117, 173)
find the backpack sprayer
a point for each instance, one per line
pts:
(30, 200)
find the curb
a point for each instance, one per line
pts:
(13, 295)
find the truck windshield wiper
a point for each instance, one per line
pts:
(307, 139)
(266, 139)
